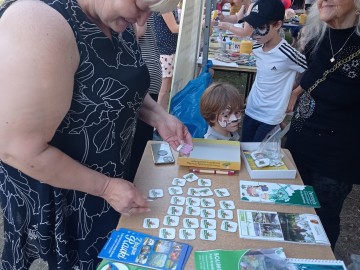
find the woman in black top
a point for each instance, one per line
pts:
(73, 84)
(323, 137)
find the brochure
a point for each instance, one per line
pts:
(249, 259)
(276, 226)
(151, 252)
(310, 264)
(112, 265)
(265, 192)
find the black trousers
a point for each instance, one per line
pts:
(331, 194)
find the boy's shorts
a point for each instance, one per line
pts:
(167, 65)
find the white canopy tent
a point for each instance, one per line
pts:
(189, 40)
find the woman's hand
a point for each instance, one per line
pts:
(124, 197)
(173, 131)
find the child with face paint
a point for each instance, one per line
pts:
(221, 106)
(277, 64)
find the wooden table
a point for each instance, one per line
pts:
(151, 176)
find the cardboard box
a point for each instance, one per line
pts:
(214, 154)
(287, 171)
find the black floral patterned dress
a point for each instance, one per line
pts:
(65, 227)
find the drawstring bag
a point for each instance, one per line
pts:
(185, 105)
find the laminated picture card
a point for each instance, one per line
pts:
(213, 154)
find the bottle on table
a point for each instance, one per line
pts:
(302, 18)
(246, 46)
(223, 44)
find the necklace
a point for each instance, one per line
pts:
(342, 47)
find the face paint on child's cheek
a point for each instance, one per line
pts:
(222, 118)
(261, 31)
(233, 118)
(224, 121)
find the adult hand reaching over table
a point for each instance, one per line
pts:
(171, 129)
(124, 197)
(174, 132)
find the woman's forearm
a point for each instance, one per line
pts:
(53, 167)
(238, 31)
(171, 22)
(231, 19)
(151, 112)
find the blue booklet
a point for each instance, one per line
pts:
(136, 248)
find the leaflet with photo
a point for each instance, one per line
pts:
(277, 226)
(250, 259)
(113, 265)
(265, 192)
(151, 252)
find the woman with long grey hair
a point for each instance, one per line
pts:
(323, 139)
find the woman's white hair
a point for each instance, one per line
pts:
(162, 6)
(315, 28)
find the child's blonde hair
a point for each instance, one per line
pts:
(218, 97)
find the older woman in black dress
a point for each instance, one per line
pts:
(323, 138)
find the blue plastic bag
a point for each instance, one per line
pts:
(185, 105)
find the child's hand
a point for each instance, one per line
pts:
(292, 102)
(293, 98)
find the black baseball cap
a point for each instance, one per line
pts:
(265, 11)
